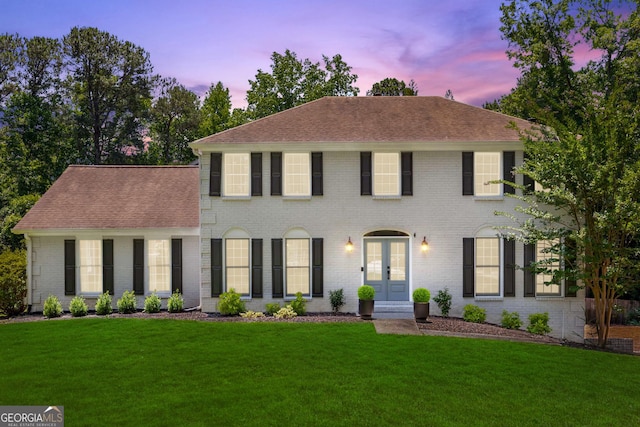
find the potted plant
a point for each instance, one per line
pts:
(421, 298)
(365, 301)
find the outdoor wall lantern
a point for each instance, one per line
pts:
(424, 246)
(349, 246)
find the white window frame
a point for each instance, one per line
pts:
(236, 170)
(90, 266)
(543, 290)
(232, 264)
(159, 271)
(482, 178)
(297, 236)
(296, 174)
(488, 234)
(380, 171)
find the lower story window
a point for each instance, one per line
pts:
(297, 266)
(487, 266)
(237, 265)
(90, 266)
(551, 263)
(159, 262)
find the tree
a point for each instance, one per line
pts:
(393, 87)
(10, 51)
(293, 82)
(175, 119)
(216, 110)
(110, 83)
(585, 154)
(13, 282)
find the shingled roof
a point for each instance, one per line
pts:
(117, 197)
(375, 119)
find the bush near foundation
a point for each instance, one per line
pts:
(13, 282)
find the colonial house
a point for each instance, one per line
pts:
(395, 192)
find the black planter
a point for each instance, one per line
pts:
(421, 311)
(365, 308)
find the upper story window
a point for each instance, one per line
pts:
(297, 174)
(480, 170)
(236, 174)
(90, 266)
(386, 174)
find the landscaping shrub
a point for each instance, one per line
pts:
(443, 299)
(273, 307)
(511, 320)
(152, 303)
(633, 317)
(299, 305)
(539, 323)
(251, 314)
(52, 307)
(336, 298)
(230, 303)
(127, 303)
(13, 282)
(175, 303)
(78, 307)
(473, 313)
(285, 313)
(366, 292)
(103, 304)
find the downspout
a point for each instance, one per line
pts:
(29, 273)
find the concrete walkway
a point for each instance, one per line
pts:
(396, 326)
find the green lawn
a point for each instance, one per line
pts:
(168, 373)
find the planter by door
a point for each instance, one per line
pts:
(365, 308)
(421, 311)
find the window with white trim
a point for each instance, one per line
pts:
(487, 266)
(386, 174)
(90, 266)
(550, 262)
(297, 265)
(237, 170)
(237, 265)
(159, 263)
(296, 174)
(486, 167)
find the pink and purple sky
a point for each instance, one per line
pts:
(452, 44)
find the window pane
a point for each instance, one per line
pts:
(386, 174)
(297, 258)
(159, 261)
(236, 174)
(487, 266)
(90, 266)
(374, 261)
(398, 261)
(297, 178)
(486, 168)
(552, 262)
(237, 265)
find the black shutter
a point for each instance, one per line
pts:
(256, 268)
(468, 272)
(69, 267)
(107, 266)
(256, 174)
(529, 272)
(467, 173)
(316, 174)
(365, 173)
(277, 269)
(215, 174)
(216, 267)
(276, 174)
(407, 174)
(176, 265)
(508, 163)
(570, 289)
(317, 266)
(509, 268)
(527, 181)
(138, 266)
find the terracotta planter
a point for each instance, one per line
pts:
(365, 308)
(421, 311)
